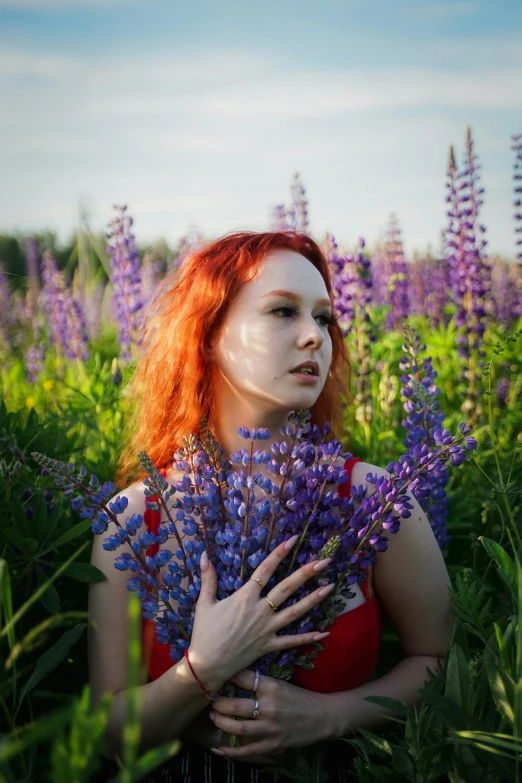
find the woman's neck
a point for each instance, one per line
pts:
(233, 412)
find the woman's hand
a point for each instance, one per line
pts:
(289, 717)
(231, 634)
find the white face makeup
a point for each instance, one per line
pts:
(267, 333)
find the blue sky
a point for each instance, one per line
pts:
(199, 113)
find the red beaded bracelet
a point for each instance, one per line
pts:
(211, 696)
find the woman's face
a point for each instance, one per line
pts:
(277, 321)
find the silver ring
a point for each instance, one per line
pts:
(256, 713)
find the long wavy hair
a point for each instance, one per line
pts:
(171, 387)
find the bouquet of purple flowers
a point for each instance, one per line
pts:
(238, 516)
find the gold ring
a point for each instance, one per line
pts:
(253, 579)
(274, 607)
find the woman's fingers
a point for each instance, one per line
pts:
(291, 613)
(287, 587)
(297, 640)
(240, 708)
(265, 569)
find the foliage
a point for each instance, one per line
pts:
(468, 723)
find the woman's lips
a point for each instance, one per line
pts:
(306, 377)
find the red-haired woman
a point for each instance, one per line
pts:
(227, 340)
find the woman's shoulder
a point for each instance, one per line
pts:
(361, 469)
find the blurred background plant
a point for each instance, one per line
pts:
(433, 340)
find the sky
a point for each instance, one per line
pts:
(197, 114)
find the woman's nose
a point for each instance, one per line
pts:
(311, 333)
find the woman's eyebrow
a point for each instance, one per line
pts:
(295, 297)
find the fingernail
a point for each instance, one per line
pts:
(289, 544)
(325, 590)
(320, 636)
(322, 564)
(203, 561)
(212, 715)
(217, 752)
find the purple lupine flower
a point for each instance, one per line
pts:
(92, 304)
(478, 262)
(77, 343)
(500, 290)
(455, 239)
(189, 242)
(517, 203)
(296, 217)
(66, 320)
(150, 277)
(424, 417)
(299, 213)
(417, 290)
(470, 272)
(381, 273)
(126, 280)
(437, 286)
(352, 292)
(351, 283)
(6, 314)
(239, 516)
(503, 387)
(398, 296)
(55, 301)
(278, 219)
(35, 356)
(32, 277)
(515, 276)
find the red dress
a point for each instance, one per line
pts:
(350, 652)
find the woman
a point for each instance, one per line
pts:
(225, 341)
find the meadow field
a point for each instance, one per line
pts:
(435, 340)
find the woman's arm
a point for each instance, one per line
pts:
(411, 581)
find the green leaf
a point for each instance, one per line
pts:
(51, 658)
(50, 599)
(21, 523)
(460, 637)
(34, 733)
(38, 593)
(504, 564)
(78, 757)
(6, 601)
(381, 744)
(402, 763)
(517, 727)
(504, 744)
(457, 678)
(15, 537)
(450, 712)
(506, 646)
(150, 760)
(394, 705)
(84, 572)
(502, 690)
(69, 535)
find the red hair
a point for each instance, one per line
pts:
(169, 391)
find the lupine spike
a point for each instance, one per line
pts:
(304, 501)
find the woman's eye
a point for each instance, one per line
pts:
(328, 319)
(288, 311)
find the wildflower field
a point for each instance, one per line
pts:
(435, 341)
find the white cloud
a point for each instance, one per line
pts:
(15, 63)
(435, 12)
(213, 139)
